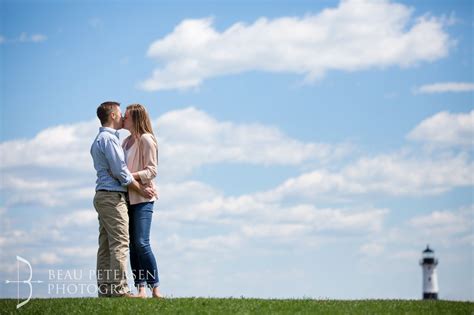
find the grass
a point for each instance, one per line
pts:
(232, 306)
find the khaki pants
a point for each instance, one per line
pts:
(113, 243)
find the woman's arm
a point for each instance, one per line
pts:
(149, 155)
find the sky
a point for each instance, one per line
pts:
(306, 148)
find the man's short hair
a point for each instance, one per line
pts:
(104, 110)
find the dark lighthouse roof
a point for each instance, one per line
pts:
(428, 249)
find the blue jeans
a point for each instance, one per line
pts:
(144, 268)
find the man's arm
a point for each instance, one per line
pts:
(114, 155)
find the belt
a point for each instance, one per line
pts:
(112, 191)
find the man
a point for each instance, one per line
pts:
(113, 181)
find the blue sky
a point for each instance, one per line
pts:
(307, 149)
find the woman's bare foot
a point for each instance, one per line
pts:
(142, 292)
(156, 293)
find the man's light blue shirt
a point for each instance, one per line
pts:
(109, 161)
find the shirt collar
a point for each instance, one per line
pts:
(110, 130)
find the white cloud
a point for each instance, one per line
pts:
(357, 35)
(43, 199)
(45, 233)
(24, 38)
(446, 87)
(80, 251)
(50, 198)
(42, 184)
(190, 138)
(372, 249)
(396, 174)
(468, 239)
(78, 218)
(299, 225)
(437, 218)
(213, 243)
(446, 129)
(254, 216)
(34, 38)
(275, 231)
(46, 191)
(46, 258)
(443, 225)
(193, 190)
(306, 221)
(63, 146)
(405, 255)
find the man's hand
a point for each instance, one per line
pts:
(147, 191)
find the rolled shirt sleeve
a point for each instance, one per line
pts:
(114, 154)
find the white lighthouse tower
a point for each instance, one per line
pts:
(430, 278)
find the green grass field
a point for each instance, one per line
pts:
(232, 306)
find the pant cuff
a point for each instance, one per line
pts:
(153, 285)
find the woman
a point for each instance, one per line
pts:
(141, 155)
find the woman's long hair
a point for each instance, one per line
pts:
(141, 120)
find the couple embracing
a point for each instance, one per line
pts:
(124, 198)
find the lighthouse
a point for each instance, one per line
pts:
(428, 263)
